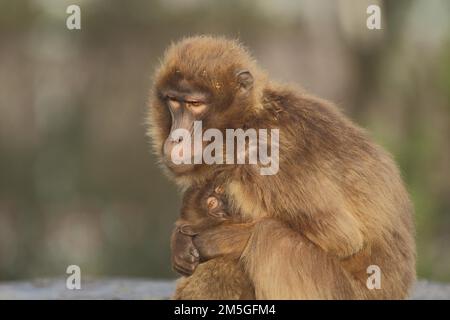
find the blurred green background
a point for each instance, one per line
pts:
(78, 182)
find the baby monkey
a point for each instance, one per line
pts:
(204, 207)
(196, 218)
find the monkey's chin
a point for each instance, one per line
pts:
(178, 168)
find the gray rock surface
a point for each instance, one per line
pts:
(91, 289)
(427, 290)
(144, 289)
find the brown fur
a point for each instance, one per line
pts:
(336, 206)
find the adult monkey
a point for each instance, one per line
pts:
(336, 206)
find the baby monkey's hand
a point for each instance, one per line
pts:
(185, 257)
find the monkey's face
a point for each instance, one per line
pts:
(186, 104)
(200, 81)
(195, 107)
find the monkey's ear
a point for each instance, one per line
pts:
(245, 80)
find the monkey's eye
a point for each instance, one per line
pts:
(194, 103)
(196, 106)
(172, 101)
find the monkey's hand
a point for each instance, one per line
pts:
(185, 257)
(226, 239)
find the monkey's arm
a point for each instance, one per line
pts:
(230, 239)
(282, 263)
(336, 232)
(227, 239)
(316, 210)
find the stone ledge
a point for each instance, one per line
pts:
(144, 289)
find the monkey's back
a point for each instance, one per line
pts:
(330, 148)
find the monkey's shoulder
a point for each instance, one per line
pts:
(297, 107)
